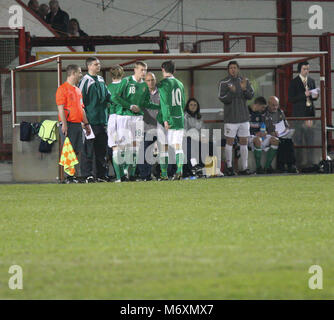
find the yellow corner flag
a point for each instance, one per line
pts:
(68, 158)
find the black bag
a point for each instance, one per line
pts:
(326, 166)
(45, 147)
(35, 127)
(25, 131)
(285, 153)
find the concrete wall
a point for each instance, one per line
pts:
(29, 165)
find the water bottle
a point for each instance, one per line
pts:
(263, 129)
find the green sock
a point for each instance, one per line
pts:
(134, 165)
(121, 155)
(179, 162)
(128, 160)
(270, 156)
(164, 163)
(115, 162)
(257, 156)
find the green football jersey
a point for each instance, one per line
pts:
(114, 107)
(172, 103)
(131, 93)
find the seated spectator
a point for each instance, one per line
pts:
(259, 138)
(43, 11)
(277, 126)
(193, 125)
(74, 30)
(58, 18)
(197, 142)
(33, 5)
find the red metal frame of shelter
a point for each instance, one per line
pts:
(284, 73)
(6, 148)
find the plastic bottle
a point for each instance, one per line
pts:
(263, 129)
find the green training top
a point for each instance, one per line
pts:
(96, 96)
(131, 93)
(172, 103)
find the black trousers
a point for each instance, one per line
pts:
(145, 169)
(285, 153)
(304, 136)
(95, 149)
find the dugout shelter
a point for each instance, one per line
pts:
(34, 86)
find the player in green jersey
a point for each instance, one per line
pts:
(133, 95)
(115, 112)
(171, 119)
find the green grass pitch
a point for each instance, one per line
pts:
(229, 238)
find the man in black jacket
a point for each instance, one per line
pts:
(303, 106)
(58, 18)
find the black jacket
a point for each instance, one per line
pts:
(297, 97)
(89, 47)
(59, 22)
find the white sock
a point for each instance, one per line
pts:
(244, 157)
(228, 155)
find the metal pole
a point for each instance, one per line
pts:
(1, 119)
(182, 28)
(13, 99)
(59, 71)
(192, 84)
(323, 108)
(22, 46)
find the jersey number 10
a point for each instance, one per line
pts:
(176, 97)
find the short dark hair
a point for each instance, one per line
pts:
(260, 100)
(301, 64)
(30, 3)
(233, 62)
(76, 21)
(90, 60)
(168, 66)
(140, 63)
(197, 113)
(71, 68)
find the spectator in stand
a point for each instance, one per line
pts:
(33, 5)
(43, 11)
(74, 30)
(58, 18)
